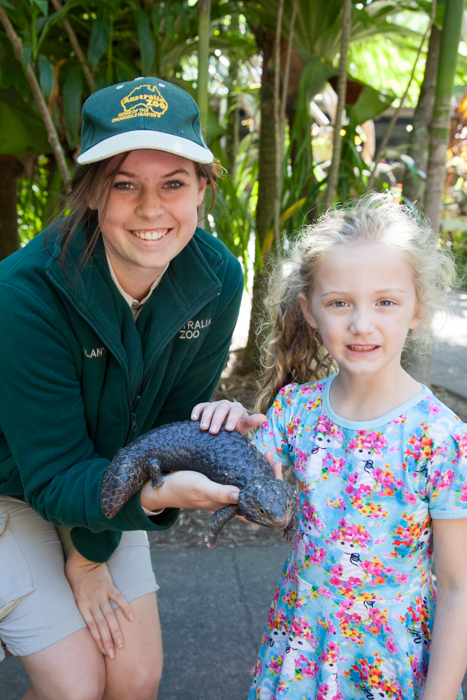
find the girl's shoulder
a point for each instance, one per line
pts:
(308, 396)
(435, 422)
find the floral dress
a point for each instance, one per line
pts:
(353, 613)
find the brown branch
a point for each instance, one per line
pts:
(36, 91)
(395, 116)
(288, 58)
(76, 47)
(341, 97)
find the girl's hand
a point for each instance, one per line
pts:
(93, 589)
(233, 414)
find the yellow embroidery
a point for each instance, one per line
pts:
(143, 101)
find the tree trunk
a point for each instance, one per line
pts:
(414, 190)
(439, 132)
(341, 94)
(265, 205)
(10, 168)
(204, 25)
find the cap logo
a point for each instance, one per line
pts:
(143, 101)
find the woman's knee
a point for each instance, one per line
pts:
(141, 682)
(71, 669)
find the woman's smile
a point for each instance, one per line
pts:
(154, 235)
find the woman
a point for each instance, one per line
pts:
(114, 321)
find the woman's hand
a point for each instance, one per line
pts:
(233, 414)
(93, 589)
(186, 489)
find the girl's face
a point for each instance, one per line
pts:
(151, 214)
(363, 303)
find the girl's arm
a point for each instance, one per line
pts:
(448, 657)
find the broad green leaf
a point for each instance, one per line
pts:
(6, 4)
(146, 41)
(370, 103)
(46, 76)
(23, 130)
(26, 57)
(43, 5)
(72, 103)
(99, 40)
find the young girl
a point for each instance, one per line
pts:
(381, 469)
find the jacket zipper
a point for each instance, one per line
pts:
(134, 406)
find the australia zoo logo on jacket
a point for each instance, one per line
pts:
(192, 329)
(143, 101)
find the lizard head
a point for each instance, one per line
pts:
(268, 502)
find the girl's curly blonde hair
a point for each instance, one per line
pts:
(293, 351)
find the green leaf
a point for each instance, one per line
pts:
(6, 4)
(43, 5)
(26, 57)
(46, 76)
(414, 171)
(99, 40)
(23, 130)
(72, 103)
(146, 41)
(370, 103)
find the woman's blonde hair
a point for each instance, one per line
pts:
(293, 351)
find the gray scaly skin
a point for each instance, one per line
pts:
(226, 458)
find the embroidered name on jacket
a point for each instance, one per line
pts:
(192, 328)
(95, 352)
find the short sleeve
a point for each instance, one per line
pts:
(274, 432)
(448, 478)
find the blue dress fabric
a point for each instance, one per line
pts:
(353, 612)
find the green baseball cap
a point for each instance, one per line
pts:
(142, 113)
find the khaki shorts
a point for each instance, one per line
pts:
(37, 607)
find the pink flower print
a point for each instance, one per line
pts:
(409, 497)
(337, 503)
(274, 666)
(301, 459)
(433, 408)
(314, 555)
(333, 465)
(463, 497)
(402, 578)
(442, 480)
(349, 532)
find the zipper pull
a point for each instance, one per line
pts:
(134, 425)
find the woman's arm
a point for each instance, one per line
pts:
(448, 656)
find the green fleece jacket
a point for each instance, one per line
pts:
(79, 379)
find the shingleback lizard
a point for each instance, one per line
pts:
(226, 458)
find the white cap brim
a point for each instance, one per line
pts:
(146, 139)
